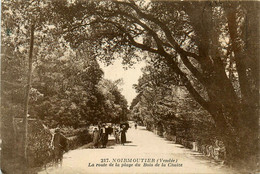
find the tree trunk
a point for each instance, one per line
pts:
(27, 92)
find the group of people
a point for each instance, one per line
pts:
(59, 142)
(100, 135)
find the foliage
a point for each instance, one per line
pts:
(161, 104)
(115, 103)
(39, 146)
(66, 81)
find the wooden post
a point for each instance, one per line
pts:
(27, 92)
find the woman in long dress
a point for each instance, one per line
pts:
(104, 136)
(123, 135)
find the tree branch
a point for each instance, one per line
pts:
(188, 85)
(239, 56)
(163, 27)
(183, 54)
(131, 39)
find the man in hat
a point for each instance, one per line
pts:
(59, 145)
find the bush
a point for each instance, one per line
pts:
(82, 137)
(39, 144)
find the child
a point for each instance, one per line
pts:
(95, 137)
(117, 134)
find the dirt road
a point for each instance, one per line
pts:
(145, 152)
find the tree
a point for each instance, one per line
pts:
(163, 103)
(68, 81)
(198, 41)
(19, 32)
(115, 103)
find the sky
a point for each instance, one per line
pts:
(130, 76)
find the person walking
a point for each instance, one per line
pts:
(59, 144)
(95, 137)
(123, 135)
(135, 125)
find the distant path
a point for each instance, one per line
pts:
(144, 144)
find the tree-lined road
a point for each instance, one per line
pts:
(142, 144)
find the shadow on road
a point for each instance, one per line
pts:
(130, 145)
(91, 145)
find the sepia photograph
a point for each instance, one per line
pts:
(129, 87)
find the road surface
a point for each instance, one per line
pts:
(154, 155)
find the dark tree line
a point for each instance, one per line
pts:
(164, 105)
(43, 78)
